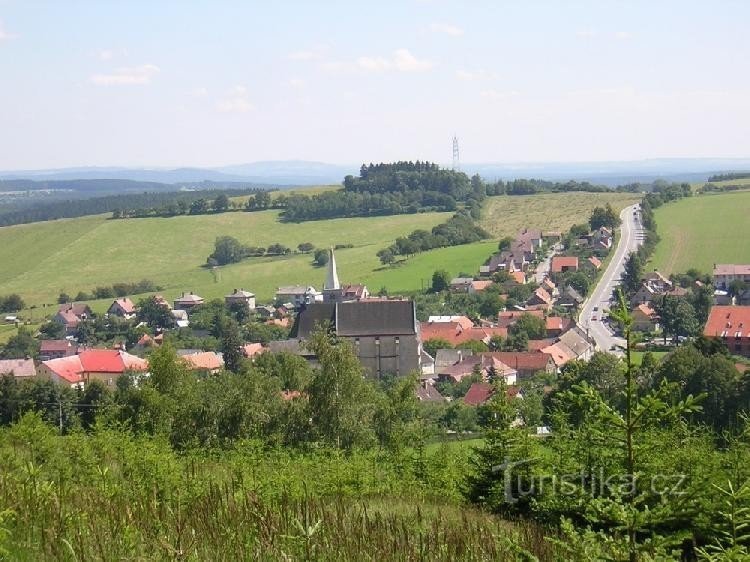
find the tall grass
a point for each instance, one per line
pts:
(114, 496)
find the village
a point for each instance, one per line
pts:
(540, 279)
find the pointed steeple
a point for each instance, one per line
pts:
(332, 278)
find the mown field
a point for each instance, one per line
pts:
(703, 230)
(506, 215)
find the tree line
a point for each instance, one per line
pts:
(154, 204)
(457, 230)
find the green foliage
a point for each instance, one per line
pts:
(604, 216)
(320, 258)
(534, 327)
(11, 303)
(441, 281)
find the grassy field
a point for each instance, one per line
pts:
(40, 260)
(507, 215)
(703, 230)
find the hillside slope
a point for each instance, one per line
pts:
(703, 230)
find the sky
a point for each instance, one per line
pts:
(192, 83)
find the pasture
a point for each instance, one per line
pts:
(703, 230)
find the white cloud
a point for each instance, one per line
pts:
(303, 55)
(4, 35)
(402, 60)
(623, 35)
(236, 101)
(199, 92)
(126, 76)
(586, 33)
(373, 63)
(497, 94)
(447, 29)
(296, 82)
(477, 74)
(105, 54)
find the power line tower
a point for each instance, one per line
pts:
(456, 161)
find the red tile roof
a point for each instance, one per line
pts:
(67, 368)
(522, 360)
(479, 393)
(125, 304)
(728, 321)
(480, 286)
(518, 276)
(455, 333)
(560, 262)
(596, 262)
(46, 346)
(207, 360)
(252, 349)
(507, 318)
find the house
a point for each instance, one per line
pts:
(241, 297)
(478, 286)
(526, 363)
(455, 333)
(506, 318)
(570, 298)
(426, 392)
(481, 363)
(532, 237)
(208, 362)
(122, 307)
(507, 260)
(384, 333)
(644, 318)
(592, 263)
(579, 343)
(53, 349)
(298, 295)
(447, 357)
(657, 282)
(251, 350)
(105, 365)
(72, 314)
(461, 284)
(147, 342)
(480, 393)
(552, 236)
(560, 353)
(725, 273)
(180, 318)
(730, 324)
(550, 287)
(354, 292)
(555, 326)
(561, 264)
(601, 239)
(518, 276)
(644, 295)
(19, 368)
(464, 321)
(265, 311)
(541, 298)
(188, 301)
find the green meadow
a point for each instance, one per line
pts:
(41, 260)
(703, 230)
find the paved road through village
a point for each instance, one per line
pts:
(630, 237)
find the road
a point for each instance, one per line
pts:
(630, 237)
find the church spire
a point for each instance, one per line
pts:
(332, 279)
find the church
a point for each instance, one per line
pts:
(383, 332)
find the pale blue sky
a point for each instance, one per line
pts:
(189, 83)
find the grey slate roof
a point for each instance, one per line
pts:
(358, 318)
(375, 318)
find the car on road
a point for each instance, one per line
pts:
(593, 318)
(596, 308)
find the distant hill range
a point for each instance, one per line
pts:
(299, 172)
